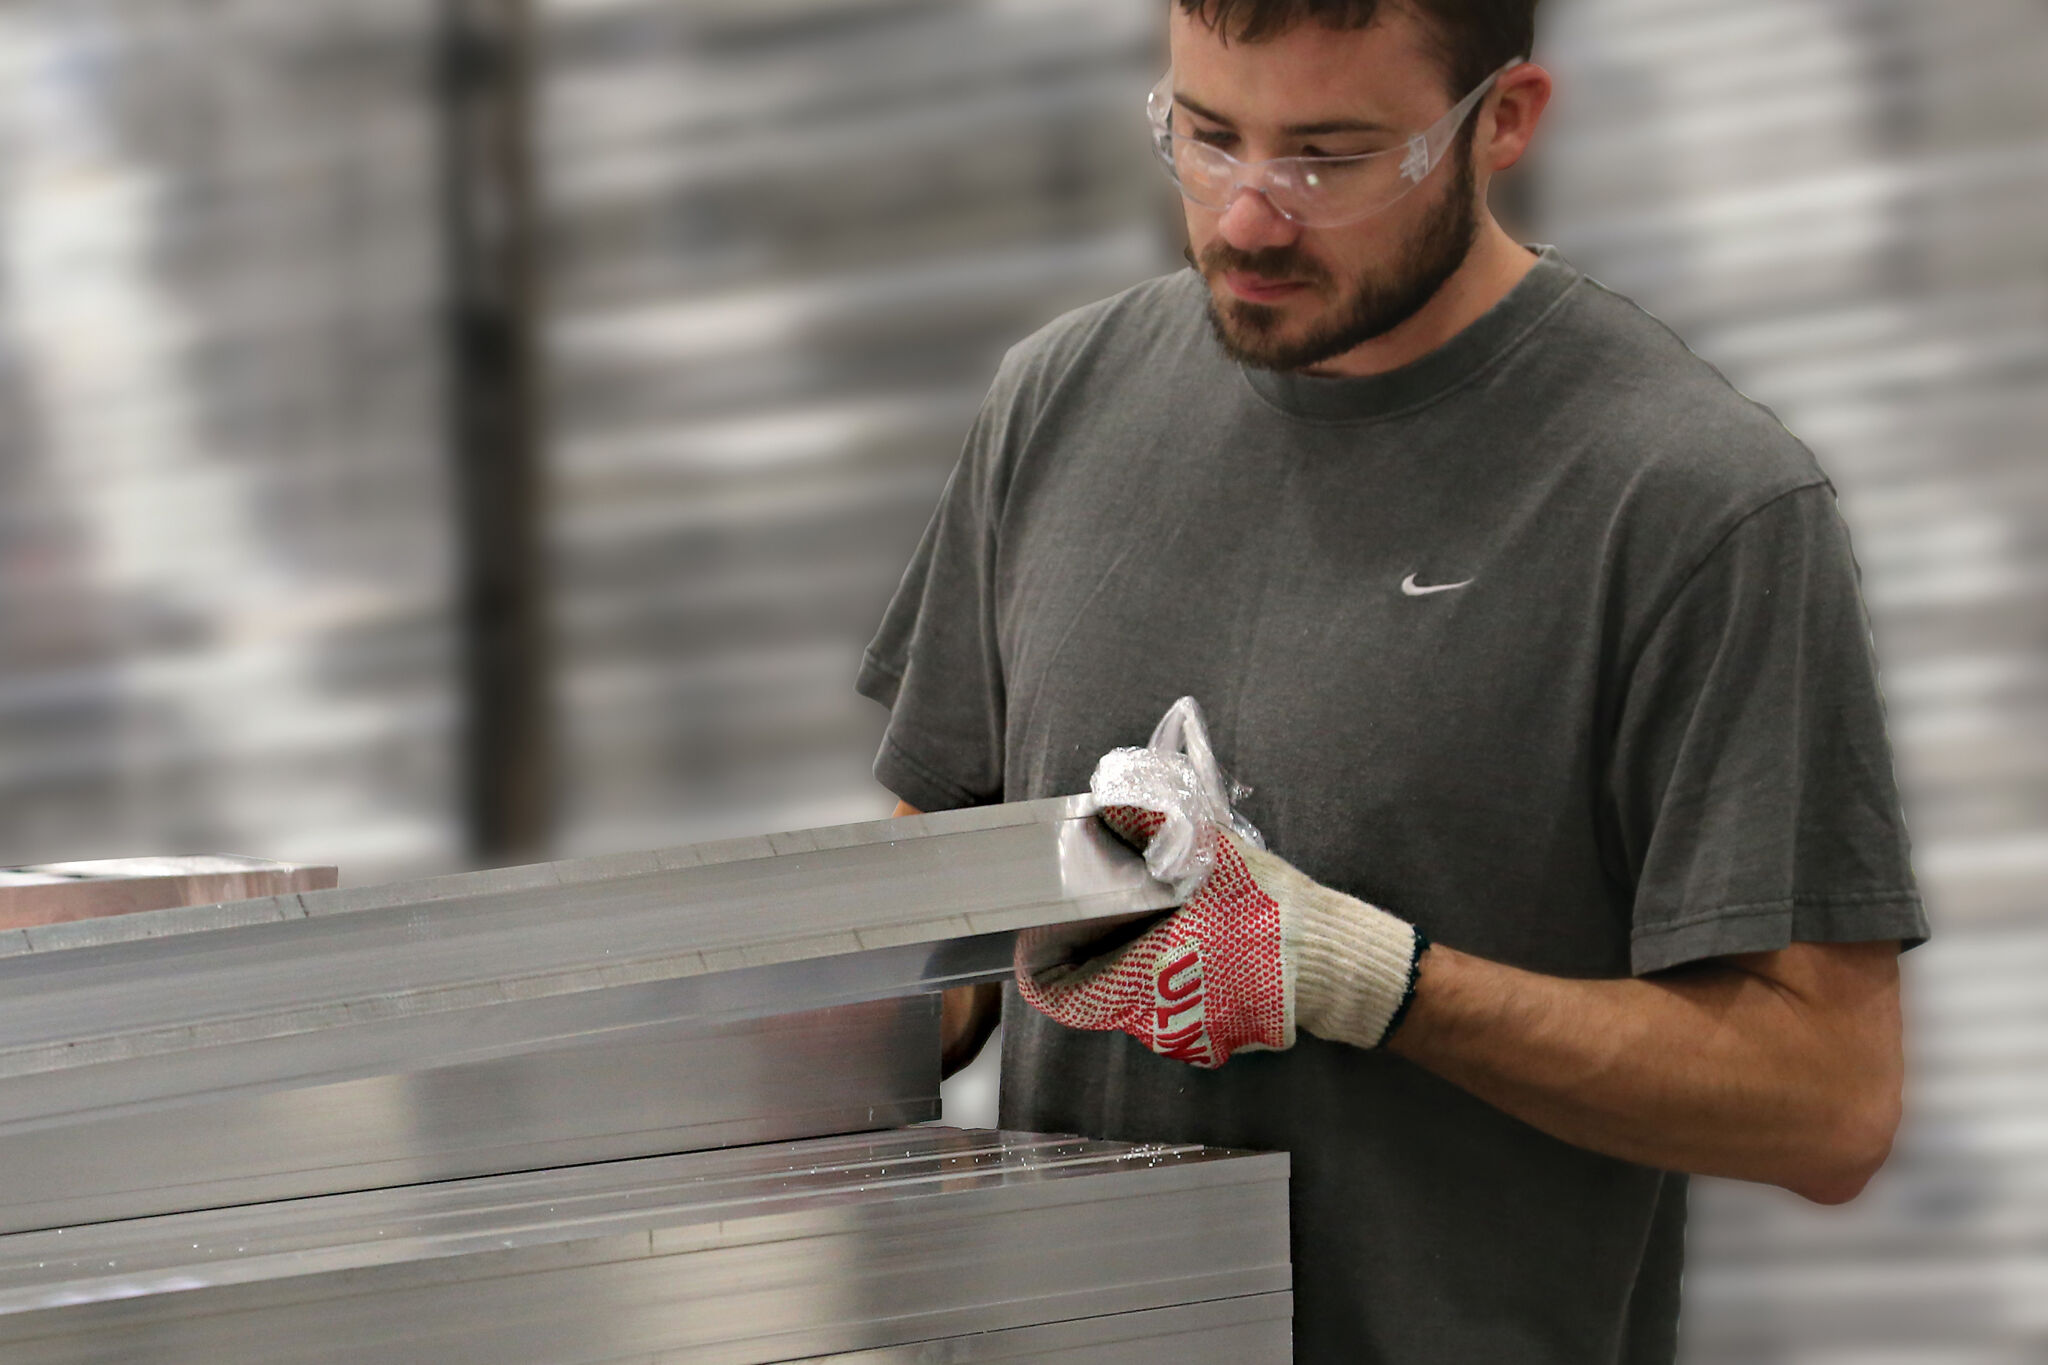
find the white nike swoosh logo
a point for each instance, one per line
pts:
(1409, 587)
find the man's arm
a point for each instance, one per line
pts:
(967, 1014)
(1782, 1067)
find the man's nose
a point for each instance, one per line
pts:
(1252, 223)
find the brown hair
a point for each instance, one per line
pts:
(1474, 38)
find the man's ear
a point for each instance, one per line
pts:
(1516, 108)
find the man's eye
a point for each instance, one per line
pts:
(1212, 137)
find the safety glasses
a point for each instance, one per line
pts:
(1314, 191)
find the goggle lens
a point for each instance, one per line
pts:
(1313, 191)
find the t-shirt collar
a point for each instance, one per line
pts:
(1500, 328)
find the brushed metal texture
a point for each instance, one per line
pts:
(737, 1256)
(630, 1093)
(102, 1018)
(1242, 1331)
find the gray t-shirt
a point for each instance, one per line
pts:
(1646, 730)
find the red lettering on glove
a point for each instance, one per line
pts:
(1190, 1045)
(1189, 961)
(1177, 991)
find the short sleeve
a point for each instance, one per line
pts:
(1751, 775)
(935, 662)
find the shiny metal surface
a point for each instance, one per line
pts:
(750, 1255)
(107, 1017)
(1254, 1330)
(636, 1092)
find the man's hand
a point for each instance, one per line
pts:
(1256, 951)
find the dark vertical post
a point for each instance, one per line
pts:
(496, 424)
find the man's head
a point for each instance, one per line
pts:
(1261, 79)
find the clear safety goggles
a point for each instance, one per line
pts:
(1314, 191)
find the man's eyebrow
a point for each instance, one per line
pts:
(1322, 129)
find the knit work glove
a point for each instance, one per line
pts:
(1257, 952)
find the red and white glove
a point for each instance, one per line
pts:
(1257, 952)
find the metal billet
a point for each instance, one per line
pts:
(630, 1092)
(1235, 1331)
(793, 1251)
(114, 1016)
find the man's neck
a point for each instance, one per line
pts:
(1495, 266)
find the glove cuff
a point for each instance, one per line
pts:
(1352, 965)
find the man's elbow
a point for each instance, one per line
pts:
(1859, 1143)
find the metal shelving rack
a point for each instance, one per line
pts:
(225, 554)
(788, 246)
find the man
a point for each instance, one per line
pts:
(1540, 649)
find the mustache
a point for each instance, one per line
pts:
(1274, 262)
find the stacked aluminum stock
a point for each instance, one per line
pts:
(596, 1111)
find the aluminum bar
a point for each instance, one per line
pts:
(630, 1093)
(174, 1006)
(724, 1258)
(1255, 1328)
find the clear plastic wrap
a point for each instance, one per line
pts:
(1176, 775)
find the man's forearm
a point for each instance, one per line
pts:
(1783, 1068)
(968, 1015)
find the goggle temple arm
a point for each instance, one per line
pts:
(1425, 150)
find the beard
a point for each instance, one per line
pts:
(1367, 308)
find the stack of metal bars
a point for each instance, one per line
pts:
(1841, 203)
(791, 243)
(937, 1243)
(224, 531)
(544, 1115)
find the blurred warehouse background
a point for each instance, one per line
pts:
(1844, 205)
(441, 432)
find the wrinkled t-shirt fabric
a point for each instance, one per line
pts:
(1550, 642)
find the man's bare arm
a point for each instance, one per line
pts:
(967, 1014)
(1781, 1067)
